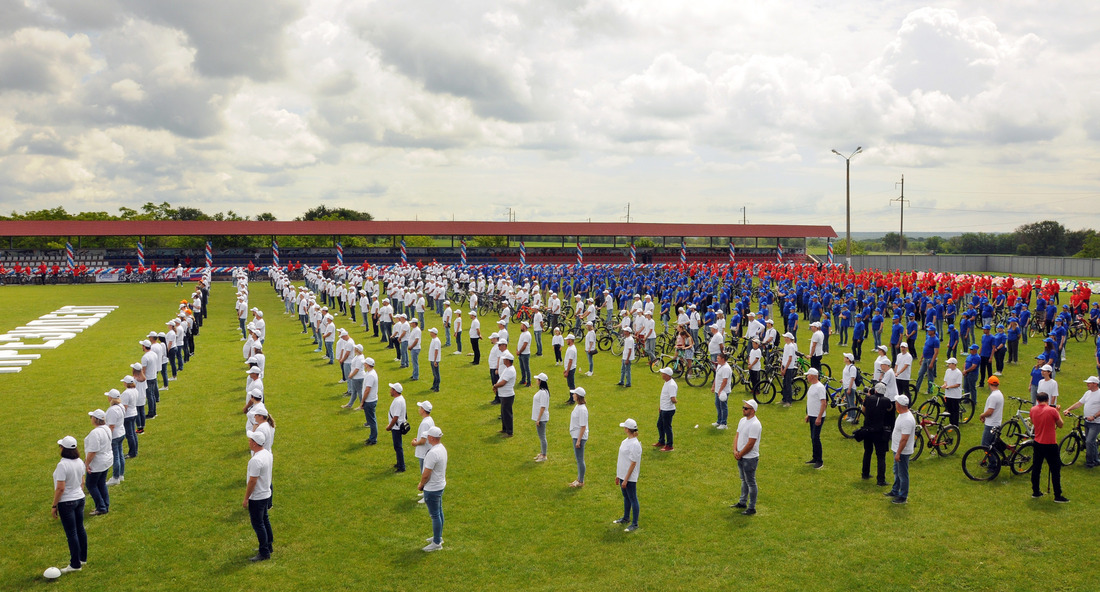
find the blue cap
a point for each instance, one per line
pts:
(986, 327)
(930, 327)
(1048, 340)
(912, 314)
(973, 346)
(1000, 326)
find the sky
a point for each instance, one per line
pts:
(558, 110)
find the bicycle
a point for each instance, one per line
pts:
(699, 373)
(943, 443)
(983, 463)
(1020, 422)
(937, 404)
(1073, 443)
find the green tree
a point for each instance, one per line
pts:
(1075, 240)
(419, 241)
(1041, 238)
(935, 244)
(1091, 248)
(266, 217)
(840, 249)
(323, 212)
(891, 241)
(490, 241)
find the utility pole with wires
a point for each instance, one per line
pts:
(744, 215)
(627, 213)
(902, 201)
(511, 215)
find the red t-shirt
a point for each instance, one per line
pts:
(1045, 419)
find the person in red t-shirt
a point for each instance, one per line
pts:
(1046, 420)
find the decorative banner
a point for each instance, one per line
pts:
(778, 253)
(633, 254)
(141, 254)
(340, 253)
(580, 254)
(47, 332)
(209, 255)
(683, 253)
(522, 253)
(69, 255)
(463, 253)
(829, 244)
(733, 252)
(404, 254)
(275, 252)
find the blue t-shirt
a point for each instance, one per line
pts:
(858, 331)
(1036, 376)
(876, 322)
(987, 345)
(999, 340)
(973, 360)
(895, 334)
(930, 346)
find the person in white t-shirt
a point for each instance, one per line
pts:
(578, 431)
(369, 402)
(68, 502)
(435, 355)
(627, 467)
(994, 410)
(952, 390)
(540, 412)
(816, 401)
(628, 359)
(116, 422)
(1048, 385)
(98, 458)
(755, 364)
(848, 379)
(903, 368)
(901, 443)
(666, 409)
(129, 403)
(257, 496)
(433, 480)
(590, 349)
(723, 383)
(505, 388)
(420, 442)
(746, 450)
(569, 360)
(1090, 410)
(398, 418)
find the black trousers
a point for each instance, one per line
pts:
(953, 410)
(475, 344)
(857, 348)
(1047, 453)
(878, 447)
(257, 512)
(506, 414)
(986, 370)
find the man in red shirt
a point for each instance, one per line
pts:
(1046, 420)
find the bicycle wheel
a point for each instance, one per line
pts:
(918, 445)
(617, 347)
(798, 389)
(930, 408)
(966, 411)
(696, 375)
(981, 463)
(604, 344)
(826, 370)
(766, 394)
(1069, 449)
(1022, 459)
(947, 440)
(849, 421)
(656, 365)
(1010, 429)
(1079, 333)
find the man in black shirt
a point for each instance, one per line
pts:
(876, 409)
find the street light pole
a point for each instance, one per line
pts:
(848, 204)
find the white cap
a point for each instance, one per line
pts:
(902, 400)
(666, 371)
(128, 379)
(98, 414)
(344, 331)
(259, 438)
(358, 347)
(258, 409)
(812, 372)
(1092, 380)
(1047, 368)
(903, 344)
(369, 362)
(397, 387)
(788, 336)
(68, 442)
(849, 357)
(145, 343)
(815, 324)
(579, 391)
(253, 370)
(425, 405)
(751, 403)
(433, 330)
(541, 376)
(435, 432)
(502, 322)
(507, 356)
(113, 393)
(952, 361)
(502, 341)
(629, 424)
(570, 336)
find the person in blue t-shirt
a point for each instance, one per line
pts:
(952, 341)
(859, 333)
(965, 326)
(896, 331)
(826, 326)
(970, 374)
(1025, 320)
(876, 327)
(986, 354)
(911, 332)
(1000, 348)
(1048, 315)
(845, 323)
(792, 323)
(1013, 340)
(929, 355)
(1060, 337)
(1036, 376)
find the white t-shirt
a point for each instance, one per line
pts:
(849, 376)
(475, 328)
(905, 424)
(723, 373)
(259, 466)
(628, 349)
(747, 429)
(130, 401)
(590, 341)
(115, 417)
(817, 341)
(494, 357)
(953, 377)
(539, 401)
(578, 419)
(268, 431)
(557, 340)
(754, 358)
(508, 375)
(99, 441)
(370, 381)
(435, 350)
(523, 344)
(668, 392)
(397, 409)
(150, 363)
(436, 460)
(789, 351)
(630, 451)
(891, 384)
(906, 360)
(996, 402)
(714, 345)
(414, 338)
(1050, 387)
(71, 472)
(1090, 404)
(815, 396)
(570, 359)
(422, 434)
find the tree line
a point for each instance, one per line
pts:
(1047, 238)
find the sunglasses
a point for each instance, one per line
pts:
(745, 408)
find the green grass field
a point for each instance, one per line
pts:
(343, 520)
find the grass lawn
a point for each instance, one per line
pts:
(342, 519)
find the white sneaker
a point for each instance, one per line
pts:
(723, 427)
(420, 494)
(112, 481)
(341, 382)
(432, 547)
(122, 478)
(715, 424)
(420, 501)
(163, 388)
(69, 568)
(429, 539)
(588, 374)
(172, 379)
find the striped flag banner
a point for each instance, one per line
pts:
(580, 254)
(463, 252)
(522, 253)
(340, 253)
(829, 244)
(733, 252)
(404, 254)
(275, 252)
(778, 253)
(683, 253)
(69, 255)
(141, 254)
(209, 255)
(633, 254)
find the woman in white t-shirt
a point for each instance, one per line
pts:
(1048, 385)
(626, 473)
(129, 403)
(68, 502)
(578, 431)
(100, 457)
(848, 379)
(540, 412)
(420, 442)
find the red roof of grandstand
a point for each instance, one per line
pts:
(401, 228)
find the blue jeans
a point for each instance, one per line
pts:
(524, 369)
(815, 438)
(435, 375)
(538, 342)
(119, 468)
(414, 355)
(901, 477)
(987, 436)
(630, 502)
(664, 427)
(369, 410)
(447, 334)
(747, 469)
(723, 408)
(97, 486)
(403, 349)
(924, 369)
(257, 513)
(1092, 430)
(152, 395)
(591, 361)
(355, 387)
(72, 520)
(578, 451)
(624, 374)
(131, 434)
(434, 501)
(328, 352)
(141, 416)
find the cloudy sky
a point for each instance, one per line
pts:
(560, 109)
